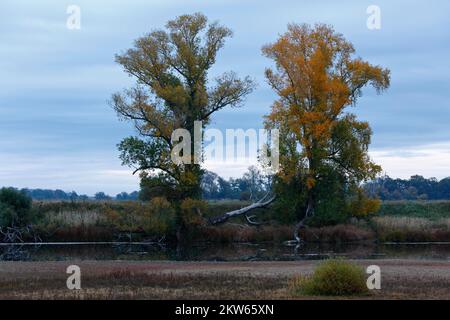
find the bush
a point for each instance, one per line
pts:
(362, 206)
(15, 208)
(332, 278)
(245, 196)
(191, 213)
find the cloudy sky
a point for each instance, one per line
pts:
(57, 130)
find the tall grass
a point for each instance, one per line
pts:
(401, 229)
(397, 221)
(73, 221)
(75, 218)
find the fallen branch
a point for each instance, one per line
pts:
(250, 221)
(259, 204)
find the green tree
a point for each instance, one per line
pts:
(15, 208)
(256, 183)
(173, 91)
(101, 196)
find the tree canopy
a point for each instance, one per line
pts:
(323, 147)
(173, 91)
(15, 208)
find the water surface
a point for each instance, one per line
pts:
(215, 252)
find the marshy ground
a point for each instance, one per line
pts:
(401, 279)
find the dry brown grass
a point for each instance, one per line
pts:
(338, 233)
(405, 279)
(74, 218)
(403, 229)
(125, 284)
(232, 232)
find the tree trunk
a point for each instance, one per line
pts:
(308, 213)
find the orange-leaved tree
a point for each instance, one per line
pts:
(322, 145)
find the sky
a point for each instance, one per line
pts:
(57, 129)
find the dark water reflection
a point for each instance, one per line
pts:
(214, 252)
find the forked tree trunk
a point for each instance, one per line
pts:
(308, 213)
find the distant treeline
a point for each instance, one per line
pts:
(415, 188)
(253, 185)
(46, 194)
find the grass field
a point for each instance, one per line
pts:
(208, 280)
(432, 210)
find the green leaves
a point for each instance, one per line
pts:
(144, 154)
(171, 70)
(15, 208)
(323, 148)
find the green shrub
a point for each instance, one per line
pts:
(245, 196)
(332, 278)
(15, 208)
(191, 213)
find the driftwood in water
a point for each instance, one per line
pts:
(263, 202)
(19, 234)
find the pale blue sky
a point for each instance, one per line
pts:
(57, 130)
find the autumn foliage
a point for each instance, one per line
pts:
(173, 91)
(323, 147)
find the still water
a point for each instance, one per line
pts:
(214, 252)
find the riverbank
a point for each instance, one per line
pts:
(399, 221)
(401, 279)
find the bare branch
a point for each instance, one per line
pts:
(259, 204)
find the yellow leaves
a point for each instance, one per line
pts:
(362, 73)
(306, 78)
(175, 95)
(362, 206)
(189, 177)
(310, 183)
(160, 204)
(191, 212)
(321, 130)
(200, 97)
(316, 78)
(158, 124)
